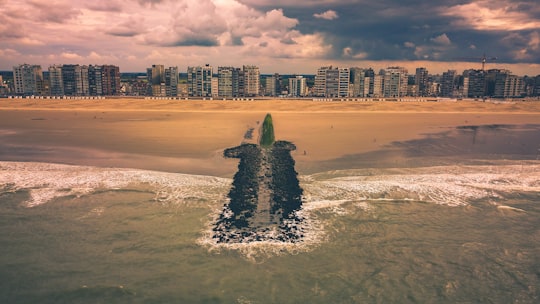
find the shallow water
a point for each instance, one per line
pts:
(447, 216)
(445, 234)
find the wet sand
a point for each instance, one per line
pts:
(189, 136)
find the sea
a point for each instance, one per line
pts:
(456, 221)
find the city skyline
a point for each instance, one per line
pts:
(277, 36)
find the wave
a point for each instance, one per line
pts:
(331, 192)
(46, 182)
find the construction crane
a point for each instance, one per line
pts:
(482, 59)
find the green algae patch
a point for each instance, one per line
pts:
(267, 132)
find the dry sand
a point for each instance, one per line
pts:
(189, 136)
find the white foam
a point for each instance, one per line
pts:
(458, 188)
(46, 182)
(259, 251)
(332, 192)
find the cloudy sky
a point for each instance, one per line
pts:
(279, 36)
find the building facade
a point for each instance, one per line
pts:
(475, 82)
(228, 82)
(448, 84)
(171, 81)
(395, 82)
(199, 81)
(508, 85)
(421, 82)
(297, 86)
(251, 80)
(273, 85)
(332, 82)
(28, 80)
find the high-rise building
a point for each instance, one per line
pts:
(395, 82)
(508, 85)
(156, 77)
(3, 87)
(215, 86)
(56, 84)
(111, 80)
(28, 79)
(273, 85)
(332, 82)
(319, 88)
(156, 74)
(448, 83)
(378, 85)
(171, 81)
(475, 82)
(95, 80)
(200, 81)
(536, 86)
(75, 80)
(421, 82)
(251, 80)
(228, 81)
(358, 82)
(297, 86)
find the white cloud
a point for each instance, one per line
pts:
(71, 55)
(482, 15)
(8, 53)
(534, 41)
(442, 40)
(409, 44)
(328, 15)
(348, 52)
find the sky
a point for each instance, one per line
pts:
(279, 36)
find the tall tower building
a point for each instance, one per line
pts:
(448, 83)
(273, 85)
(200, 81)
(75, 79)
(111, 80)
(332, 82)
(228, 81)
(395, 82)
(156, 74)
(508, 85)
(95, 80)
(56, 84)
(171, 81)
(251, 80)
(156, 77)
(378, 85)
(319, 88)
(358, 81)
(475, 80)
(28, 79)
(421, 82)
(297, 86)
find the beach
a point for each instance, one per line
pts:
(189, 136)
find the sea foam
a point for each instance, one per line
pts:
(327, 192)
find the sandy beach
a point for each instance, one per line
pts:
(189, 136)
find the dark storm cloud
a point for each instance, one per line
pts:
(418, 29)
(123, 32)
(195, 41)
(56, 12)
(105, 6)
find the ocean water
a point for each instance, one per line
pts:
(450, 233)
